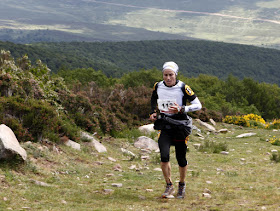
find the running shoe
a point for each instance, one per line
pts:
(168, 191)
(181, 191)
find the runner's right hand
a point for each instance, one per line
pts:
(153, 116)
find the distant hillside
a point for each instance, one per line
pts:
(193, 57)
(251, 22)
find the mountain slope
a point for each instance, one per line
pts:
(250, 22)
(193, 57)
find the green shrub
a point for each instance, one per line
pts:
(275, 157)
(33, 120)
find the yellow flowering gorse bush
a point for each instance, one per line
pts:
(274, 125)
(249, 120)
(274, 141)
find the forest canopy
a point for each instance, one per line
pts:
(194, 57)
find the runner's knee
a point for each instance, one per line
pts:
(182, 162)
(164, 157)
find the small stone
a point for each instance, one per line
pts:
(263, 208)
(107, 191)
(145, 157)
(147, 128)
(112, 159)
(144, 142)
(55, 149)
(117, 167)
(206, 190)
(138, 169)
(40, 148)
(5, 199)
(212, 122)
(208, 126)
(40, 183)
(206, 195)
(98, 163)
(157, 169)
(118, 185)
(218, 169)
(127, 152)
(242, 159)
(196, 145)
(63, 202)
(223, 131)
(224, 153)
(132, 167)
(149, 190)
(209, 182)
(200, 135)
(146, 151)
(100, 148)
(274, 150)
(73, 144)
(245, 135)
(142, 197)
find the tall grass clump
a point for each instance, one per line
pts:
(129, 134)
(213, 147)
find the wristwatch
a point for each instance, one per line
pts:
(182, 110)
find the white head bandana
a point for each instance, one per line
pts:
(171, 66)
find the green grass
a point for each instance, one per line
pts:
(245, 179)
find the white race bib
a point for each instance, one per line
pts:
(163, 104)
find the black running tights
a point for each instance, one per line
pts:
(166, 139)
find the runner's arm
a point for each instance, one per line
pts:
(195, 106)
